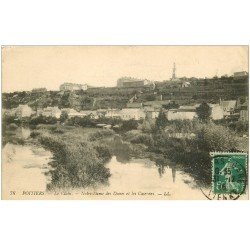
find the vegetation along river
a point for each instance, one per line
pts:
(25, 167)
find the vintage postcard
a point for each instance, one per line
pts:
(125, 122)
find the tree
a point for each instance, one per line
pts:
(204, 112)
(171, 105)
(150, 97)
(161, 121)
(129, 125)
(64, 116)
(65, 100)
(43, 120)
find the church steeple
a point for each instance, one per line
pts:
(173, 75)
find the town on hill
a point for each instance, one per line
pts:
(137, 99)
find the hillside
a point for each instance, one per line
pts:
(209, 90)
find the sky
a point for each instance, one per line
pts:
(28, 67)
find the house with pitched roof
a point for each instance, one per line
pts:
(113, 113)
(188, 112)
(50, 112)
(132, 113)
(228, 107)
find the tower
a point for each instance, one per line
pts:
(173, 75)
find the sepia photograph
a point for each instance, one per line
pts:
(125, 122)
(124, 125)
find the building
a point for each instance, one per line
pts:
(132, 113)
(240, 75)
(228, 107)
(181, 114)
(104, 126)
(156, 104)
(151, 113)
(129, 82)
(73, 113)
(101, 112)
(93, 114)
(216, 112)
(135, 105)
(189, 112)
(50, 112)
(185, 84)
(113, 113)
(39, 90)
(73, 87)
(23, 111)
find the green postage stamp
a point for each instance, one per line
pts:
(229, 173)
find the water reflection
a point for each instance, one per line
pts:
(173, 173)
(25, 132)
(123, 153)
(15, 136)
(161, 170)
(121, 150)
(24, 167)
(145, 176)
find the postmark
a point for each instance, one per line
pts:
(229, 173)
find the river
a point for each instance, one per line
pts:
(24, 168)
(143, 176)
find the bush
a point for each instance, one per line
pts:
(137, 137)
(81, 121)
(10, 119)
(148, 126)
(241, 127)
(109, 120)
(75, 164)
(161, 121)
(184, 126)
(56, 130)
(143, 139)
(64, 116)
(34, 134)
(194, 154)
(212, 137)
(103, 153)
(128, 136)
(101, 134)
(42, 120)
(13, 126)
(129, 125)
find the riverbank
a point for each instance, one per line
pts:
(81, 154)
(78, 161)
(29, 168)
(187, 146)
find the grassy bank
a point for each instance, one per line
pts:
(187, 146)
(81, 153)
(78, 160)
